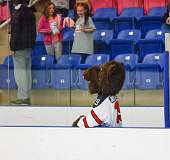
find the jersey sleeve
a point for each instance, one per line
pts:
(118, 117)
(96, 117)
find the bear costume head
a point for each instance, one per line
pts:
(106, 80)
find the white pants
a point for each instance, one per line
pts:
(22, 72)
(54, 49)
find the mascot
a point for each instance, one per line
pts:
(106, 80)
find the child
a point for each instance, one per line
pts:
(50, 25)
(84, 28)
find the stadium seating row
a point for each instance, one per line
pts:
(130, 18)
(68, 72)
(121, 4)
(127, 41)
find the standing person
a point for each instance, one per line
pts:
(50, 25)
(84, 28)
(23, 34)
(62, 6)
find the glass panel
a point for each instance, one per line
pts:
(120, 34)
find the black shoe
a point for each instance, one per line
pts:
(22, 102)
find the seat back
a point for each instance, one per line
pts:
(8, 61)
(130, 34)
(68, 35)
(104, 35)
(155, 58)
(97, 59)
(39, 38)
(72, 60)
(108, 13)
(39, 47)
(133, 12)
(130, 59)
(155, 34)
(157, 11)
(44, 61)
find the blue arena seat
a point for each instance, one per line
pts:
(40, 71)
(92, 60)
(39, 47)
(157, 11)
(148, 73)
(39, 38)
(8, 61)
(125, 42)
(128, 19)
(153, 43)
(103, 25)
(153, 20)
(63, 74)
(157, 58)
(129, 61)
(102, 40)
(105, 14)
(68, 37)
(156, 34)
(71, 14)
(103, 18)
(7, 80)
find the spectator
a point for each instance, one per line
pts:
(84, 28)
(23, 34)
(50, 25)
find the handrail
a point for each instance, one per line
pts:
(5, 23)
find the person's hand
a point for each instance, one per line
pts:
(168, 20)
(76, 121)
(80, 30)
(68, 22)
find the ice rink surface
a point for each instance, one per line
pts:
(36, 143)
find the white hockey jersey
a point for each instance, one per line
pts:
(105, 112)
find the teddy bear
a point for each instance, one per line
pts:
(106, 81)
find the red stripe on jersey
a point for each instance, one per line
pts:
(117, 106)
(85, 122)
(96, 118)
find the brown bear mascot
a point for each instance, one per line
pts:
(106, 80)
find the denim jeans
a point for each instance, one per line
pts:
(22, 72)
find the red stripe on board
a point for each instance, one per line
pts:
(85, 122)
(96, 117)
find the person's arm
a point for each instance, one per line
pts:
(68, 22)
(41, 26)
(60, 27)
(96, 117)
